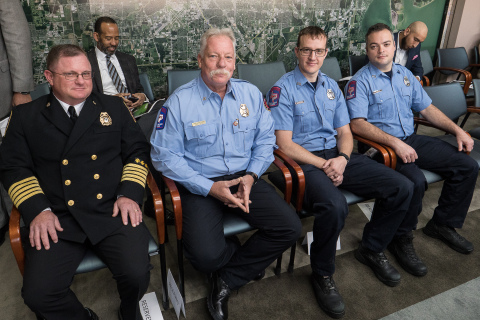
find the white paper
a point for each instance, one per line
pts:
(149, 307)
(309, 239)
(367, 208)
(3, 126)
(175, 296)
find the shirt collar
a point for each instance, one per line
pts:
(65, 106)
(205, 91)
(300, 79)
(374, 71)
(103, 55)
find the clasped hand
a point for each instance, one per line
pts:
(334, 169)
(241, 199)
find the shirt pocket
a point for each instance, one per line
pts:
(305, 118)
(329, 110)
(244, 134)
(202, 140)
(380, 106)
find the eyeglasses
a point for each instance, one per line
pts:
(307, 52)
(70, 76)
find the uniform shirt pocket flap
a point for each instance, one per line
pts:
(200, 132)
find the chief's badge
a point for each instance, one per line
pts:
(406, 81)
(330, 94)
(244, 110)
(105, 119)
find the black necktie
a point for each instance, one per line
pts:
(112, 71)
(73, 114)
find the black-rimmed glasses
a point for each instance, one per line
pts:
(307, 52)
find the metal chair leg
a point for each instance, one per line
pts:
(278, 268)
(181, 280)
(292, 258)
(163, 269)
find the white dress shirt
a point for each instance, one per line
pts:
(78, 107)
(402, 55)
(107, 82)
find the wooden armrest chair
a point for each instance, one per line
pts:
(232, 224)
(298, 189)
(91, 261)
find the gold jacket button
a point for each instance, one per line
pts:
(68, 182)
(96, 176)
(65, 162)
(94, 157)
(99, 196)
(71, 202)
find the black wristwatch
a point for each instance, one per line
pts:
(344, 155)
(254, 176)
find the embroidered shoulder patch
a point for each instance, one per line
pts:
(274, 97)
(162, 117)
(352, 90)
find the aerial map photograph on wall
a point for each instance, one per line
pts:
(165, 35)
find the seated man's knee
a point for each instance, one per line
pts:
(40, 297)
(331, 211)
(207, 260)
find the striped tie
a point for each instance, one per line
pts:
(115, 77)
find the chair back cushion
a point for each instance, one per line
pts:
(147, 88)
(426, 62)
(177, 78)
(331, 68)
(355, 63)
(449, 98)
(452, 58)
(263, 75)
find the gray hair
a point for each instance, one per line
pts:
(216, 32)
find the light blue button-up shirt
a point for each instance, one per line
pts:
(312, 114)
(384, 102)
(198, 136)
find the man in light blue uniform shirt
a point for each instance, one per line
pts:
(381, 98)
(215, 137)
(312, 127)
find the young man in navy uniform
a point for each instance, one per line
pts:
(381, 99)
(74, 165)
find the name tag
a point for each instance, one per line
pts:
(299, 102)
(198, 123)
(376, 91)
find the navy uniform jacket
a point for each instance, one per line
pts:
(78, 171)
(129, 69)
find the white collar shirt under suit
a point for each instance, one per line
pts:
(386, 103)
(312, 114)
(198, 136)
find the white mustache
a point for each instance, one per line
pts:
(219, 71)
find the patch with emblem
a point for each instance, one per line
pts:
(105, 119)
(274, 97)
(406, 81)
(265, 105)
(244, 110)
(162, 117)
(352, 90)
(330, 94)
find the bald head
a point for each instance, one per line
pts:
(412, 36)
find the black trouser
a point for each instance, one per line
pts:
(459, 170)
(363, 177)
(208, 250)
(49, 273)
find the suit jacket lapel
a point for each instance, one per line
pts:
(55, 113)
(97, 76)
(90, 112)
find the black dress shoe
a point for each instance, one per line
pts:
(449, 236)
(92, 314)
(378, 262)
(402, 249)
(3, 231)
(217, 300)
(328, 298)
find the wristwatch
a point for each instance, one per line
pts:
(254, 176)
(344, 155)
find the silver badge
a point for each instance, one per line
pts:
(244, 110)
(330, 94)
(406, 81)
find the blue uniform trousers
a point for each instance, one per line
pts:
(364, 177)
(207, 248)
(459, 170)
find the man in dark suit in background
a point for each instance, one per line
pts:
(409, 44)
(114, 72)
(74, 164)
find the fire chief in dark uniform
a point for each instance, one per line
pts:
(73, 163)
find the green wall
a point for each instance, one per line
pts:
(165, 34)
